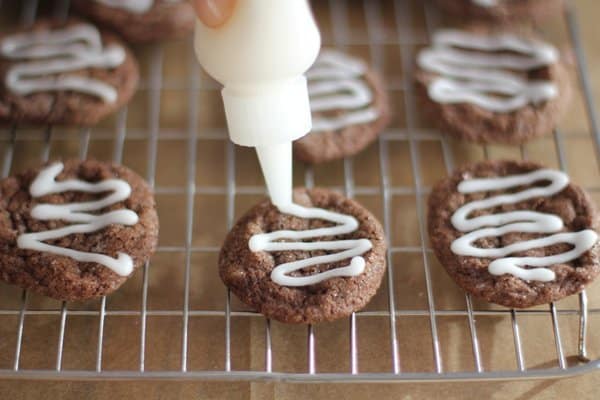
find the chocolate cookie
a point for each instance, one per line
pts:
(140, 21)
(66, 73)
(350, 108)
(505, 11)
(76, 230)
(299, 264)
(494, 87)
(514, 233)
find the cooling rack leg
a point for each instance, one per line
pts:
(583, 319)
(47, 144)
(20, 330)
(473, 330)
(311, 350)
(517, 341)
(100, 334)
(84, 142)
(555, 327)
(143, 316)
(353, 345)
(9, 152)
(61, 335)
(228, 332)
(268, 351)
(120, 133)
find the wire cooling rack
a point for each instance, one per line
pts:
(442, 335)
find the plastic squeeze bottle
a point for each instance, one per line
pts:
(260, 55)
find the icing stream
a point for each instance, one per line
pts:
(335, 83)
(46, 54)
(349, 249)
(517, 221)
(472, 70)
(77, 213)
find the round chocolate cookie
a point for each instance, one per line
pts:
(249, 273)
(505, 11)
(140, 21)
(349, 107)
(70, 231)
(489, 250)
(492, 87)
(66, 73)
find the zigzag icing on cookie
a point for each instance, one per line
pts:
(496, 225)
(484, 70)
(294, 241)
(78, 215)
(336, 82)
(47, 54)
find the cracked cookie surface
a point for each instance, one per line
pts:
(62, 277)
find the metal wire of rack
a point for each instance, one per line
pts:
(406, 41)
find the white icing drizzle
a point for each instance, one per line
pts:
(48, 53)
(335, 83)
(77, 213)
(133, 6)
(485, 3)
(499, 224)
(471, 72)
(352, 249)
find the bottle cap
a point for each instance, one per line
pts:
(267, 114)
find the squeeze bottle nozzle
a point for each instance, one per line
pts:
(260, 56)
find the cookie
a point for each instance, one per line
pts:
(140, 21)
(75, 230)
(493, 87)
(301, 264)
(504, 11)
(514, 233)
(349, 108)
(66, 73)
